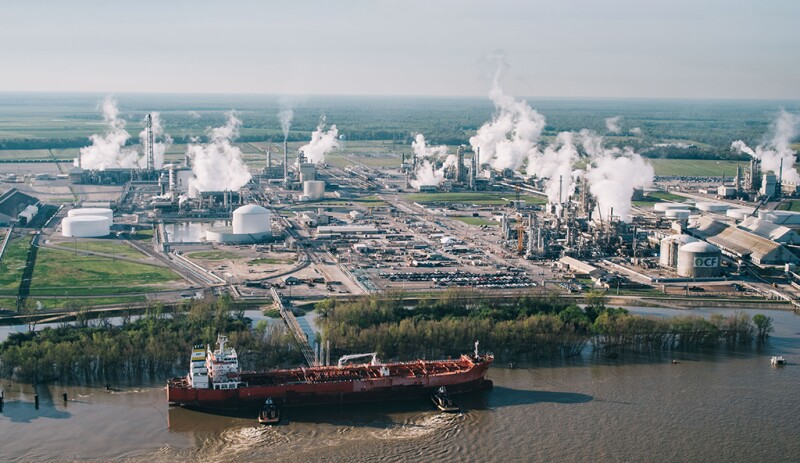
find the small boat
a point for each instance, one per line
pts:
(777, 360)
(443, 402)
(270, 413)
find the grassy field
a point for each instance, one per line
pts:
(61, 303)
(793, 206)
(213, 255)
(657, 197)
(12, 265)
(60, 270)
(106, 247)
(695, 167)
(481, 199)
(476, 221)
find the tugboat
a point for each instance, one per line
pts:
(777, 360)
(270, 413)
(443, 402)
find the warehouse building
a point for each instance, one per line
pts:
(742, 244)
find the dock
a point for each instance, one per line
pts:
(294, 326)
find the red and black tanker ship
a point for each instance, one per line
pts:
(214, 380)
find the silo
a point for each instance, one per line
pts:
(251, 220)
(669, 249)
(314, 189)
(97, 211)
(699, 260)
(85, 226)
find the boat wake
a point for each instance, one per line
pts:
(421, 427)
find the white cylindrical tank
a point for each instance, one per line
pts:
(314, 189)
(699, 260)
(96, 211)
(355, 215)
(677, 213)
(251, 219)
(662, 207)
(740, 213)
(85, 226)
(713, 207)
(669, 249)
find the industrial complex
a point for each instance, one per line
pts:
(302, 228)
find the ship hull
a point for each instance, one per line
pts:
(334, 392)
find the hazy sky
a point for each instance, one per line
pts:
(600, 48)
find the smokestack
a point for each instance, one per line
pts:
(269, 158)
(780, 179)
(560, 184)
(285, 161)
(149, 150)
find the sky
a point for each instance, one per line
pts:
(566, 48)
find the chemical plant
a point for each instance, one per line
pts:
(302, 228)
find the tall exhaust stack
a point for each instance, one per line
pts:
(149, 143)
(269, 158)
(285, 161)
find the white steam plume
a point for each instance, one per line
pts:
(321, 143)
(515, 128)
(162, 141)
(612, 124)
(637, 131)
(217, 165)
(777, 148)
(555, 164)
(613, 175)
(286, 115)
(108, 150)
(427, 158)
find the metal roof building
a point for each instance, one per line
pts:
(742, 243)
(772, 231)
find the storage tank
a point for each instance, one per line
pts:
(712, 207)
(677, 214)
(97, 211)
(663, 207)
(669, 249)
(251, 219)
(699, 260)
(314, 189)
(85, 226)
(355, 215)
(739, 213)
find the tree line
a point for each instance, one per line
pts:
(531, 326)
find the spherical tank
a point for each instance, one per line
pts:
(85, 226)
(251, 219)
(669, 249)
(100, 211)
(699, 260)
(314, 189)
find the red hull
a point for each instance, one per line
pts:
(327, 385)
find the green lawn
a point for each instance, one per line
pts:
(657, 197)
(58, 270)
(477, 221)
(62, 303)
(13, 263)
(482, 199)
(107, 247)
(696, 167)
(793, 206)
(213, 255)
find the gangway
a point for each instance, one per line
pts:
(294, 326)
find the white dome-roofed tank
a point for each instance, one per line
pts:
(677, 214)
(250, 220)
(713, 207)
(699, 260)
(314, 189)
(85, 226)
(101, 211)
(669, 249)
(739, 213)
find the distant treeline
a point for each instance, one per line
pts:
(150, 348)
(531, 326)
